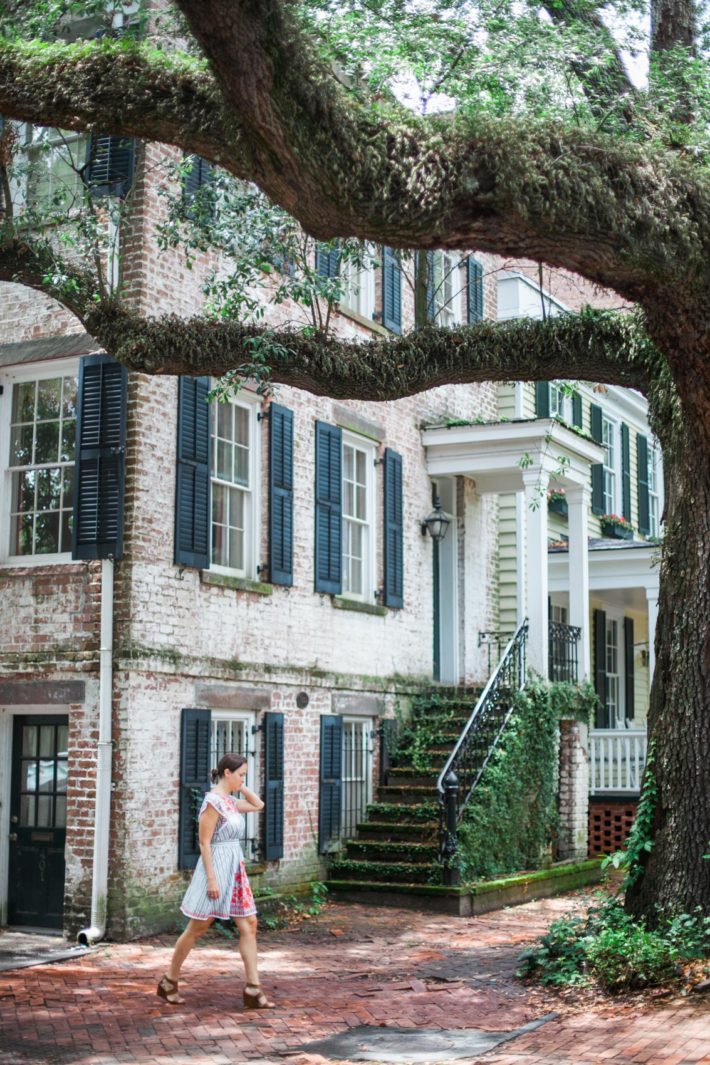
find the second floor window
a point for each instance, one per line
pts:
(54, 159)
(654, 502)
(40, 466)
(610, 464)
(358, 509)
(358, 293)
(234, 479)
(445, 287)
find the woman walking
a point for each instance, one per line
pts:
(220, 887)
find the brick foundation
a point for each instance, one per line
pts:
(609, 825)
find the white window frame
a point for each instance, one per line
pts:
(369, 573)
(447, 297)
(654, 488)
(358, 289)
(560, 403)
(612, 479)
(248, 719)
(252, 521)
(615, 625)
(367, 726)
(8, 379)
(31, 151)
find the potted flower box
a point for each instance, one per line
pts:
(616, 527)
(557, 501)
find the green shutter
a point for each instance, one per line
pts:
(394, 531)
(99, 473)
(273, 786)
(474, 290)
(280, 495)
(642, 483)
(328, 510)
(327, 260)
(598, 468)
(542, 399)
(391, 291)
(625, 473)
(577, 413)
(194, 781)
(629, 667)
(599, 628)
(192, 498)
(198, 188)
(110, 167)
(331, 761)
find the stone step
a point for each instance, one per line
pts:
(402, 831)
(406, 794)
(388, 851)
(394, 812)
(427, 898)
(381, 872)
(407, 775)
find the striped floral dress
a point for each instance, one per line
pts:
(235, 894)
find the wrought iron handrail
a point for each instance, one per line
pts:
(476, 744)
(563, 641)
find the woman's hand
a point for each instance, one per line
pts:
(212, 889)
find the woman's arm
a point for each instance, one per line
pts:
(251, 803)
(207, 825)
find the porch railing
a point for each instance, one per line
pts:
(563, 641)
(616, 761)
(475, 746)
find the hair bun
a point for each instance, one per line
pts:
(214, 776)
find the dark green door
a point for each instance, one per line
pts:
(437, 610)
(38, 816)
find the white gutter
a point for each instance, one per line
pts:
(102, 815)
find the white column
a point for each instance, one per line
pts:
(535, 482)
(578, 499)
(652, 599)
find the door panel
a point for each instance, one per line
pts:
(38, 820)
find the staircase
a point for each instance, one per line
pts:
(396, 852)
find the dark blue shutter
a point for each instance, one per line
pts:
(642, 484)
(629, 667)
(598, 468)
(599, 627)
(273, 786)
(474, 290)
(391, 291)
(192, 497)
(280, 495)
(328, 553)
(199, 175)
(430, 305)
(394, 531)
(194, 781)
(625, 473)
(331, 773)
(542, 399)
(577, 415)
(99, 474)
(110, 165)
(327, 260)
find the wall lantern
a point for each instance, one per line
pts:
(437, 524)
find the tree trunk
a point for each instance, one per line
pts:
(676, 873)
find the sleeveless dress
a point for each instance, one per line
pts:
(235, 894)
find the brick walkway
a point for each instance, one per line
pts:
(349, 967)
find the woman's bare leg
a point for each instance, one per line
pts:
(247, 948)
(184, 945)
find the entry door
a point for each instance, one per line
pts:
(38, 818)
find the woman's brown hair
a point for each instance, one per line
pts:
(232, 762)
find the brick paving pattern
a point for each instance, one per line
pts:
(349, 967)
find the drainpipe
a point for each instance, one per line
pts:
(102, 816)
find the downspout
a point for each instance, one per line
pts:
(102, 816)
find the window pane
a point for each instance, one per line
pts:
(46, 442)
(224, 420)
(236, 549)
(46, 741)
(241, 428)
(23, 402)
(361, 503)
(60, 812)
(219, 545)
(21, 534)
(21, 445)
(46, 775)
(68, 444)
(69, 387)
(27, 810)
(23, 491)
(49, 398)
(28, 776)
(49, 489)
(236, 508)
(68, 486)
(29, 740)
(46, 534)
(66, 527)
(61, 775)
(349, 499)
(348, 463)
(62, 741)
(219, 504)
(44, 811)
(241, 466)
(224, 461)
(361, 467)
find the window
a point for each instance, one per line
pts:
(39, 447)
(234, 475)
(560, 403)
(613, 687)
(358, 292)
(610, 464)
(54, 161)
(356, 790)
(234, 731)
(358, 547)
(654, 502)
(445, 284)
